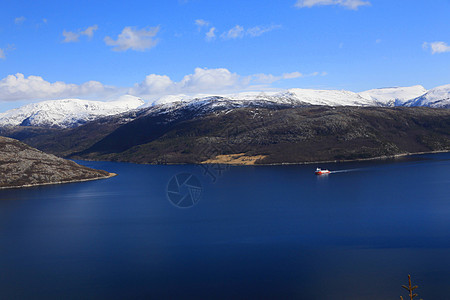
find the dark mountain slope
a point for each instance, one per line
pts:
(281, 135)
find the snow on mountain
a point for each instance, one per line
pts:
(395, 96)
(181, 98)
(74, 112)
(438, 97)
(66, 113)
(329, 97)
(293, 97)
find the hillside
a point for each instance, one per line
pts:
(257, 134)
(21, 165)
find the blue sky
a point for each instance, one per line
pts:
(102, 49)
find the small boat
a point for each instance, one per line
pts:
(319, 171)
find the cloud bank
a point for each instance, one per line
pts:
(20, 88)
(205, 80)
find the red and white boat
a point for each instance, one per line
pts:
(319, 171)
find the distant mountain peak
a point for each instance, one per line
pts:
(394, 96)
(436, 97)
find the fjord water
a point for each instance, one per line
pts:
(256, 232)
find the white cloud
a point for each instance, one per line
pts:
(90, 31)
(211, 34)
(238, 31)
(206, 81)
(18, 87)
(201, 23)
(134, 39)
(350, 4)
(202, 80)
(3, 51)
(292, 75)
(259, 30)
(71, 37)
(19, 20)
(269, 78)
(209, 79)
(153, 84)
(234, 33)
(437, 47)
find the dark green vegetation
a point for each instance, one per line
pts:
(21, 165)
(283, 135)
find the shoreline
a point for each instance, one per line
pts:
(384, 157)
(57, 182)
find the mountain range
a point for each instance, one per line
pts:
(70, 113)
(291, 126)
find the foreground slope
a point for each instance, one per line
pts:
(21, 165)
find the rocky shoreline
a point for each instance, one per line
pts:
(55, 183)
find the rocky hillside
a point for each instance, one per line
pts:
(22, 165)
(254, 134)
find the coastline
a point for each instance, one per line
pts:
(57, 182)
(282, 164)
(358, 159)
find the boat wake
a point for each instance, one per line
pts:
(344, 171)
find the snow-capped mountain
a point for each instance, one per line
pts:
(395, 96)
(437, 97)
(294, 97)
(66, 113)
(74, 112)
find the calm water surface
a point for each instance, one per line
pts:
(255, 232)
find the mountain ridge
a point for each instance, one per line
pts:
(75, 112)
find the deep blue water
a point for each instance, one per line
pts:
(254, 232)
